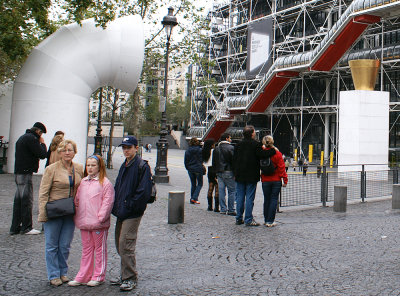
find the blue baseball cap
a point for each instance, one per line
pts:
(129, 141)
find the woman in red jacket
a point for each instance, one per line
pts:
(272, 184)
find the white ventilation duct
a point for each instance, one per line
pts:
(61, 73)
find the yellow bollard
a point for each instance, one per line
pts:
(295, 154)
(322, 158)
(331, 160)
(310, 153)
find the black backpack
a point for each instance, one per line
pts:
(153, 194)
(267, 166)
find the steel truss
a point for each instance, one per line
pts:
(298, 26)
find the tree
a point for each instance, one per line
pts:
(178, 111)
(23, 24)
(112, 103)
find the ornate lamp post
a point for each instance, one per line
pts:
(161, 172)
(98, 138)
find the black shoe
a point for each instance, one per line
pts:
(231, 213)
(239, 222)
(209, 209)
(14, 232)
(253, 223)
(116, 282)
(128, 285)
(216, 210)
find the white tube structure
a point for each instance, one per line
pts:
(62, 72)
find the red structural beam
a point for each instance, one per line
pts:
(350, 33)
(273, 88)
(218, 129)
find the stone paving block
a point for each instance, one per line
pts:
(309, 252)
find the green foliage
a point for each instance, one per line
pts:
(23, 24)
(178, 111)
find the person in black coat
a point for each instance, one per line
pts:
(29, 148)
(246, 168)
(194, 166)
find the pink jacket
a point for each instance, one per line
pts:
(94, 203)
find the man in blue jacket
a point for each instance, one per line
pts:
(29, 148)
(132, 191)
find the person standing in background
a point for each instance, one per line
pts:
(207, 153)
(246, 167)
(29, 148)
(52, 154)
(223, 157)
(271, 184)
(194, 166)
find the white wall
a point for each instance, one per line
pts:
(5, 109)
(363, 130)
(61, 73)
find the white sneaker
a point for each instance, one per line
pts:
(33, 231)
(74, 283)
(94, 283)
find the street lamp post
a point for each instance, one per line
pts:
(161, 172)
(98, 138)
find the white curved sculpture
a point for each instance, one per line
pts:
(61, 73)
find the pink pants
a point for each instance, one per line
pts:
(94, 244)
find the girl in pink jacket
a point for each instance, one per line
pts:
(94, 201)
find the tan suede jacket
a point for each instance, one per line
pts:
(55, 185)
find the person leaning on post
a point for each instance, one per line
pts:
(58, 179)
(132, 191)
(29, 148)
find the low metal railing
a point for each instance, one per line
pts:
(317, 185)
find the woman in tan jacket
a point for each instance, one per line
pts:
(53, 155)
(57, 180)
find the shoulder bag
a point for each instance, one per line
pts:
(64, 206)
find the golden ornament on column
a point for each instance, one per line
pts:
(364, 73)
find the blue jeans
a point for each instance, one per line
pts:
(58, 235)
(245, 193)
(225, 180)
(196, 179)
(271, 192)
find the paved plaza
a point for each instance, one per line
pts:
(310, 252)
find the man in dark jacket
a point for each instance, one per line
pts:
(132, 191)
(29, 148)
(222, 162)
(194, 165)
(246, 161)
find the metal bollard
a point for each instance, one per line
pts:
(340, 199)
(176, 207)
(396, 196)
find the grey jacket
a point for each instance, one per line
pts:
(223, 157)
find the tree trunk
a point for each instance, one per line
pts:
(136, 107)
(114, 109)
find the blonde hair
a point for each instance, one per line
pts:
(64, 144)
(268, 141)
(56, 140)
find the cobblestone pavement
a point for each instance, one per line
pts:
(310, 251)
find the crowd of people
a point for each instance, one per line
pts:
(235, 169)
(72, 195)
(233, 172)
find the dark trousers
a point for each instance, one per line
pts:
(125, 241)
(271, 192)
(23, 202)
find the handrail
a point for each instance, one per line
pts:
(305, 60)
